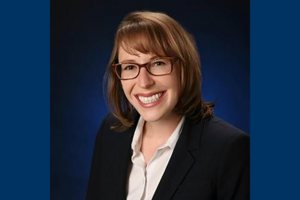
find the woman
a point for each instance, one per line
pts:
(161, 140)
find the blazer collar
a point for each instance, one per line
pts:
(120, 169)
(181, 160)
(178, 167)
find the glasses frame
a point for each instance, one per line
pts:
(146, 65)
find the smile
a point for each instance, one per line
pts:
(150, 99)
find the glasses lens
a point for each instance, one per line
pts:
(127, 71)
(160, 66)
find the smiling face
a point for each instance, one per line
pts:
(154, 97)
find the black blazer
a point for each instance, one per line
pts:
(210, 161)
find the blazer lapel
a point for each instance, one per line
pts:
(120, 169)
(180, 163)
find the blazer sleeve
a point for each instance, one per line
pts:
(95, 166)
(234, 171)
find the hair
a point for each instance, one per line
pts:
(159, 34)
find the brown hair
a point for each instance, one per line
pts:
(157, 33)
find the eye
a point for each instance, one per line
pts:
(159, 63)
(128, 67)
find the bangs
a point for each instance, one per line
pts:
(146, 38)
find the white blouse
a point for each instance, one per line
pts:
(143, 180)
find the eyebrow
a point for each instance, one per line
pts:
(134, 61)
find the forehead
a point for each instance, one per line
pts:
(132, 55)
(140, 43)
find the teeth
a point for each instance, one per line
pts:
(151, 99)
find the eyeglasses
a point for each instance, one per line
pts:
(156, 67)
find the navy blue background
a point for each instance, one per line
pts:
(81, 42)
(25, 100)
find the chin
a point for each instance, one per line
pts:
(151, 116)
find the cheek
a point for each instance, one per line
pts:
(176, 84)
(127, 88)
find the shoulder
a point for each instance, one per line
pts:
(108, 120)
(215, 133)
(107, 136)
(107, 123)
(219, 128)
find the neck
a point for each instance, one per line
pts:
(156, 134)
(162, 128)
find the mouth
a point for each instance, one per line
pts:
(149, 98)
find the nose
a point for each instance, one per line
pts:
(145, 79)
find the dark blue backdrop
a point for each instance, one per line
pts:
(81, 41)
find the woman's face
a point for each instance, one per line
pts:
(154, 97)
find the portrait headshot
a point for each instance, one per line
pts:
(150, 100)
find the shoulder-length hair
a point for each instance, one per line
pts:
(159, 34)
